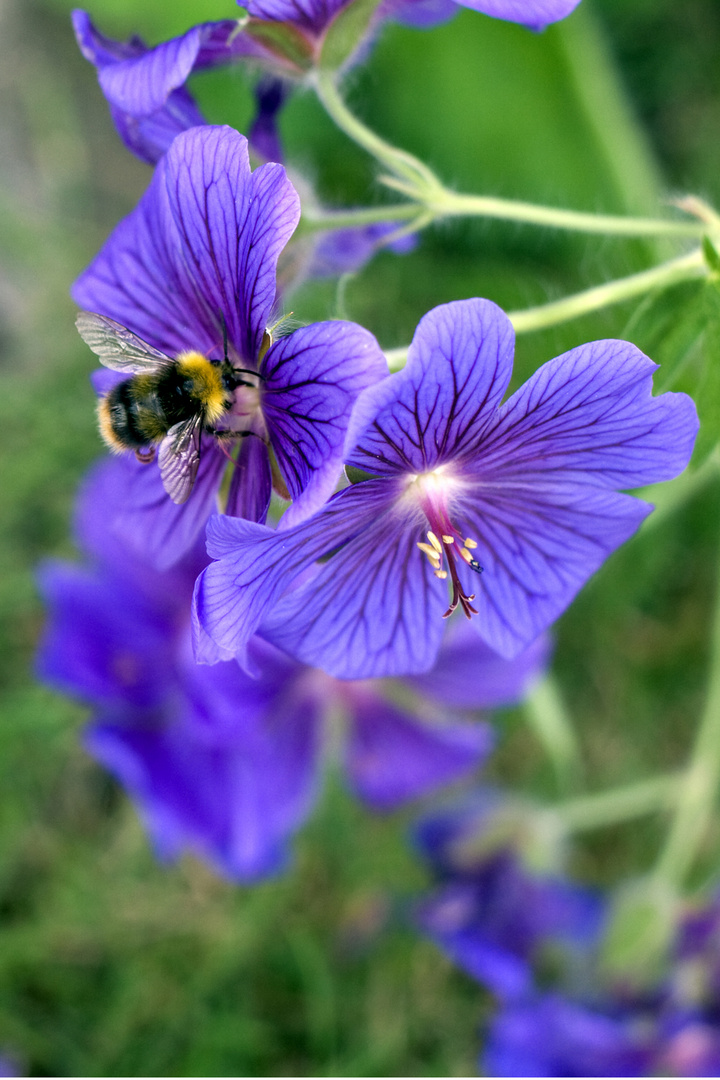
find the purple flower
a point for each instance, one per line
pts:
(512, 505)
(198, 257)
(490, 914)
(219, 762)
(145, 87)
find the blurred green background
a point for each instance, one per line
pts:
(113, 965)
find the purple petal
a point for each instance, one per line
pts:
(391, 756)
(251, 483)
(343, 251)
(590, 414)
(372, 610)
(256, 565)
(536, 14)
(103, 641)
(101, 50)
(141, 85)
(263, 137)
(538, 545)
(459, 365)
(470, 675)
(311, 381)
(146, 521)
(423, 14)
(234, 803)
(201, 248)
(149, 137)
(313, 15)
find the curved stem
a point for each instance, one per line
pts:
(414, 179)
(700, 785)
(620, 804)
(317, 220)
(398, 161)
(450, 204)
(547, 716)
(601, 296)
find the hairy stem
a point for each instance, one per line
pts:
(415, 180)
(614, 292)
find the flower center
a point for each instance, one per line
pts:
(445, 544)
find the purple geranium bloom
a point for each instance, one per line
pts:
(491, 914)
(220, 762)
(145, 87)
(196, 259)
(524, 491)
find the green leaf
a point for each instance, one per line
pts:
(345, 33)
(711, 256)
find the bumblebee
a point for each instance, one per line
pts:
(165, 403)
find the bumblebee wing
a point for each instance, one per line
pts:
(117, 347)
(179, 457)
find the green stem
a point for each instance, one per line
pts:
(398, 161)
(700, 785)
(314, 221)
(419, 183)
(620, 804)
(600, 296)
(614, 292)
(549, 719)
(450, 204)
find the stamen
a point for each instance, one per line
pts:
(430, 552)
(434, 541)
(465, 554)
(472, 544)
(442, 574)
(448, 539)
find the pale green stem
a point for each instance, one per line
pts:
(548, 718)
(700, 784)
(450, 204)
(619, 804)
(614, 292)
(314, 221)
(398, 161)
(600, 296)
(419, 183)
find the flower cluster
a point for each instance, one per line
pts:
(516, 931)
(224, 763)
(298, 555)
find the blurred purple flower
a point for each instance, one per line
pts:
(220, 762)
(199, 255)
(490, 914)
(525, 491)
(534, 942)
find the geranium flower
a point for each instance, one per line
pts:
(225, 764)
(196, 260)
(488, 912)
(145, 87)
(513, 506)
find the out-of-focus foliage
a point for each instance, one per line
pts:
(112, 965)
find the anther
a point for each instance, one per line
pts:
(431, 552)
(448, 539)
(470, 543)
(434, 541)
(465, 554)
(442, 574)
